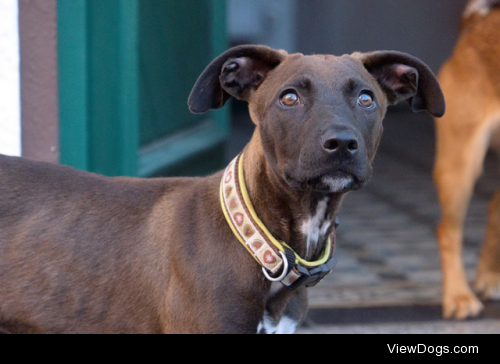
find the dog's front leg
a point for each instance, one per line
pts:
(285, 311)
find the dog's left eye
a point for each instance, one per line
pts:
(290, 98)
(366, 100)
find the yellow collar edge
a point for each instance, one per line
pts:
(279, 245)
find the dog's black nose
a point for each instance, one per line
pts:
(341, 142)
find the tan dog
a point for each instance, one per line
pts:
(471, 83)
(81, 253)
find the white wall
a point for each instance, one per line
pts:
(10, 109)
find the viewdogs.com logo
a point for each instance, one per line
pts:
(429, 349)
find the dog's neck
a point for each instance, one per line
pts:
(303, 220)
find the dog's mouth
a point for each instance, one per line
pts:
(338, 181)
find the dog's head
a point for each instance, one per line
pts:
(319, 117)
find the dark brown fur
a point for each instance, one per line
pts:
(81, 253)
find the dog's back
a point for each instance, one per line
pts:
(63, 191)
(56, 243)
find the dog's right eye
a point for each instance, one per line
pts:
(366, 100)
(290, 98)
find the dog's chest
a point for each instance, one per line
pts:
(316, 226)
(286, 326)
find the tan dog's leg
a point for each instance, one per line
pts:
(463, 140)
(457, 171)
(459, 164)
(488, 273)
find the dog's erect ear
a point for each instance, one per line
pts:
(235, 73)
(404, 77)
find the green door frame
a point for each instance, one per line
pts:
(98, 47)
(73, 83)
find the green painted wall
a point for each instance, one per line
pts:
(174, 48)
(126, 68)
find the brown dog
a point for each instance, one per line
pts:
(471, 83)
(81, 253)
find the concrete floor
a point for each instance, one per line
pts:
(388, 279)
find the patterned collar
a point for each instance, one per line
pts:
(279, 262)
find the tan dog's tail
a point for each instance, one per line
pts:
(477, 9)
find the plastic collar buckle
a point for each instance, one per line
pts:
(312, 276)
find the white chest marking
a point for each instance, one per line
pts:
(267, 325)
(286, 326)
(316, 226)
